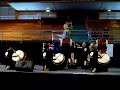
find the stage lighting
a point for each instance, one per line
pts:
(47, 10)
(109, 10)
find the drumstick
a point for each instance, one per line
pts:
(100, 55)
(17, 55)
(57, 56)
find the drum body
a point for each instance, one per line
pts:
(103, 63)
(66, 41)
(18, 55)
(58, 62)
(58, 59)
(102, 44)
(104, 59)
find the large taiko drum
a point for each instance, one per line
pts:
(58, 59)
(18, 55)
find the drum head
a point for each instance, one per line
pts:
(18, 55)
(105, 59)
(58, 58)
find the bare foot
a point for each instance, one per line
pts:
(7, 67)
(93, 70)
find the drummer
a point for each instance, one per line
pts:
(9, 62)
(97, 66)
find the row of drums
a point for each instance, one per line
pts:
(70, 55)
(57, 56)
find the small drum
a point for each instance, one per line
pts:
(102, 43)
(66, 41)
(58, 59)
(18, 55)
(104, 59)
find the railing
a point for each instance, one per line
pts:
(75, 35)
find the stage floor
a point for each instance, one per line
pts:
(79, 70)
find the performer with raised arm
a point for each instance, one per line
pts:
(103, 59)
(66, 29)
(9, 61)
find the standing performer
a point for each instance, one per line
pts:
(106, 33)
(65, 45)
(84, 55)
(94, 57)
(67, 27)
(47, 55)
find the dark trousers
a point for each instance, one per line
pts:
(10, 62)
(99, 67)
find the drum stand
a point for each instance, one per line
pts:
(44, 68)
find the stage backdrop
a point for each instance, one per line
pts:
(110, 50)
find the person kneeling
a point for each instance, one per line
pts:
(102, 63)
(9, 62)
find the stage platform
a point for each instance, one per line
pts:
(62, 74)
(61, 78)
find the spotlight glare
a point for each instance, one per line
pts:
(47, 10)
(109, 10)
